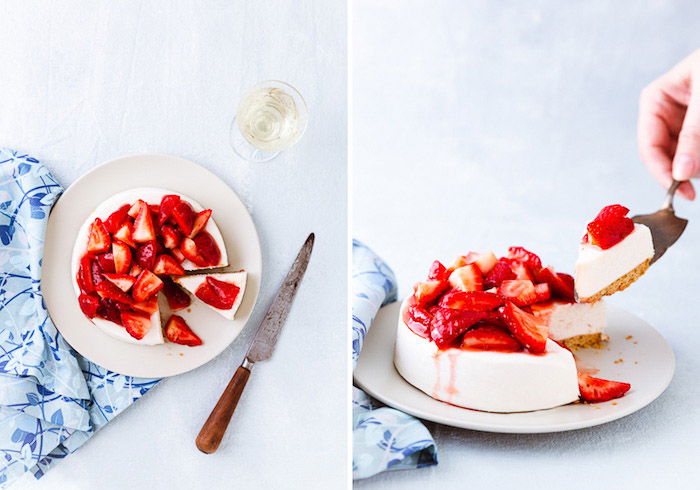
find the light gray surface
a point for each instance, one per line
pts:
(83, 83)
(478, 125)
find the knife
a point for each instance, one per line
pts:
(260, 349)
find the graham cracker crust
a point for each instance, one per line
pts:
(586, 341)
(619, 284)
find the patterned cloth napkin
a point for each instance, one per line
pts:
(51, 398)
(383, 438)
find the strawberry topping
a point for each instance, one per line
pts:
(89, 304)
(490, 337)
(528, 329)
(99, 239)
(176, 296)
(147, 284)
(471, 300)
(448, 324)
(600, 390)
(177, 331)
(610, 227)
(219, 294)
(137, 324)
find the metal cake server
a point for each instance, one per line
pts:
(260, 349)
(666, 228)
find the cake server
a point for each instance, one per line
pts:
(666, 228)
(260, 349)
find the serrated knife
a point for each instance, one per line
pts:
(260, 349)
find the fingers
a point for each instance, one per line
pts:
(686, 161)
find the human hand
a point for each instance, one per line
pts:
(668, 129)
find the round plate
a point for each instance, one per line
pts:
(79, 201)
(645, 360)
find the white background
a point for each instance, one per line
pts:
(479, 125)
(85, 82)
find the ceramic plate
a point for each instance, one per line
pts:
(79, 201)
(636, 353)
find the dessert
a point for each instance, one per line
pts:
(126, 255)
(222, 292)
(491, 334)
(614, 252)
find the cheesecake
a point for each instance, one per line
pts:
(222, 292)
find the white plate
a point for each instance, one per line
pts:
(647, 363)
(74, 206)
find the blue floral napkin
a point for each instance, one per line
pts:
(383, 438)
(51, 398)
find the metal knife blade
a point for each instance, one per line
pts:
(265, 339)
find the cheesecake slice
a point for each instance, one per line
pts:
(222, 292)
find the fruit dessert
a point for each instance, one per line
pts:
(127, 254)
(614, 252)
(479, 334)
(222, 292)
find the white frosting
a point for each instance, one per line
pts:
(191, 283)
(596, 268)
(487, 380)
(567, 320)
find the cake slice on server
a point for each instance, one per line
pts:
(223, 291)
(614, 252)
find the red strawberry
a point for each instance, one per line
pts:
(111, 310)
(137, 324)
(600, 390)
(122, 257)
(437, 272)
(171, 237)
(106, 262)
(467, 278)
(189, 249)
(149, 306)
(154, 209)
(146, 255)
(500, 272)
(89, 304)
(176, 296)
(117, 219)
(448, 324)
(486, 262)
(520, 292)
(84, 275)
(123, 234)
(167, 203)
(179, 256)
(96, 271)
(490, 337)
(135, 270)
(525, 327)
(147, 284)
(207, 248)
(122, 281)
(165, 264)
(109, 291)
(219, 294)
(471, 300)
(143, 225)
(612, 211)
(183, 215)
(561, 285)
(522, 271)
(418, 320)
(530, 259)
(426, 293)
(135, 208)
(200, 221)
(99, 240)
(609, 232)
(542, 292)
(177, 331)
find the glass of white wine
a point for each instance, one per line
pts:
(271, 117)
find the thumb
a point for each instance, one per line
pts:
(686, 161)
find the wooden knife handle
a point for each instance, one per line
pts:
(214, 428)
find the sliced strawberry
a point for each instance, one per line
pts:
(84, 275)
(542, 292)
(165, 264)
(609, 232)
(147, 284)
(106, 262)
(89, 304)
(418, 320)
(177, 331)
(200, 221)
(167, 203)
(176, 296)
(490, 337)
(528, 329)
(111, 310)
(471, 300)
(96, 271)
(149, 306)
(117, 219)
(600, 390)
(219, 294)
(520, 292)
(612, 211)
(154, 209)
(183, 215)
(143, 226)
(179, 256)
(522, 271)
(137, 324)
(108, 290)
(122, 257)
(561, 285)
(189, 249)
(500, 272)
(171, 237)
(207, 248)
(135, 270)
(122, 281)
(437, 272)
(486, 262)
(135, 208)
(146, 255)
(99, 240)
(530, 259)
(448, 324)
(467, 278)
(123, 234)
(426, 293)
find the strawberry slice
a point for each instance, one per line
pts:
(542, 292)
(146, 255)
(418, 320)
(111, 310)
(189, 249)
(135, 208)
(84, 275)
(437, 272)
(530, 259)
(529, 330)
(165, 264)
(500, 272)
(183, 215)
(106, 262)
(143, 225)
(426, 293)
(467, 278)
(123, 234)
(177, 331)
(470, 300)
(149, 306)
(155, 209)
(137, 324)
(176, 296)
(167, 203)
(448, 324)
(612, 211)
(490, 337)
(219, 294)
(121, 254)
(99, 240)
(486, 262)
(560, 284)
(522, 270)
(609, 232)
(200, 221)
(122, 281)
(108, 290)
(89, 304)
(179, 256)
(600, 390)
(520, 292)
(171, 237)
(207, 248)
(135, 270)
(96, 271)
(117, 219)
(147, 284)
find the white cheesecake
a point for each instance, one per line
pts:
(601, 272)
(193, 282)
(154, 336)
(576, 325)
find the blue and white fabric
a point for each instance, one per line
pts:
(51, 398)
(383, 438)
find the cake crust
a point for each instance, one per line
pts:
(620, 283)
(586, 341)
